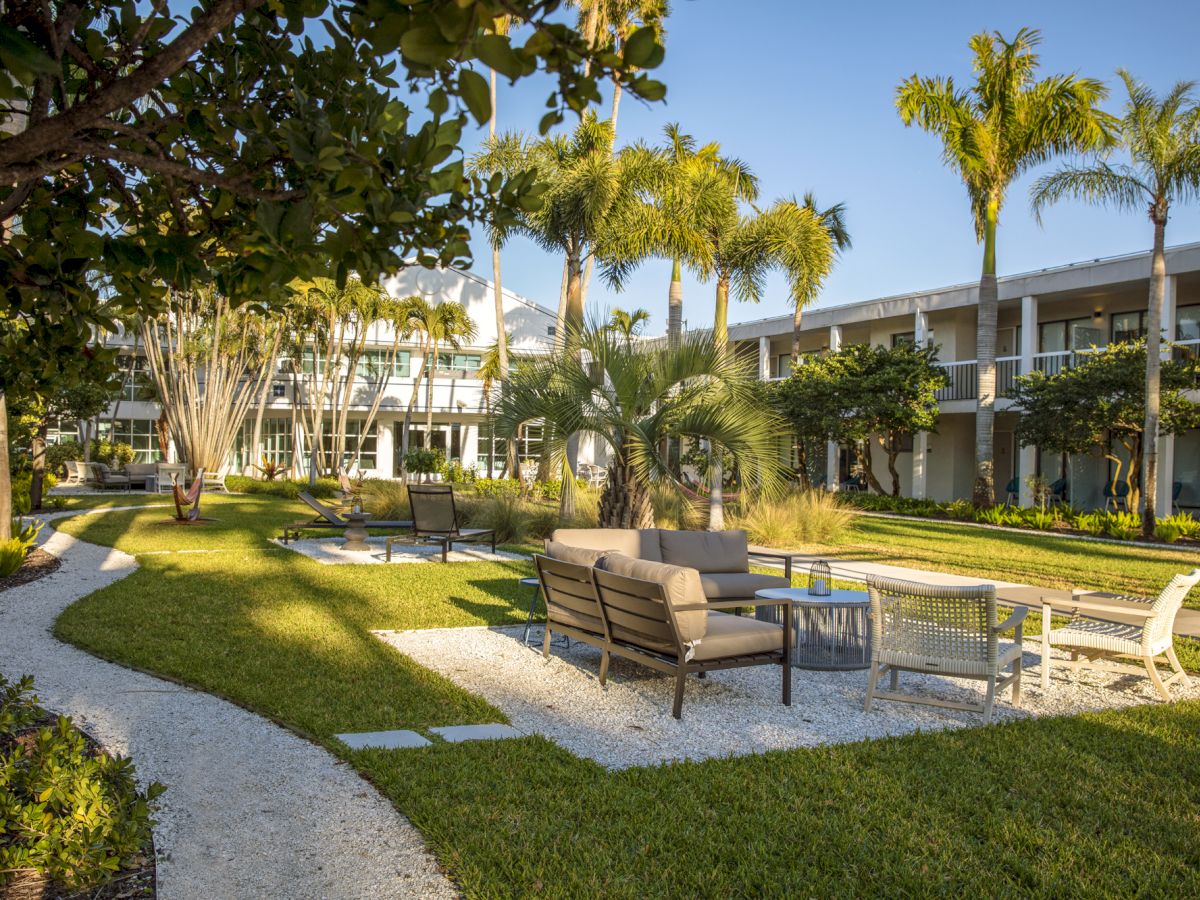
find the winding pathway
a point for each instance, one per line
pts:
(251, 809)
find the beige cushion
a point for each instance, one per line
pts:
(682, 584)
(705, 551)
(737, 636)
(571, 618)
(641, 544)
(738, 585)
(140, 470)
(580, 556)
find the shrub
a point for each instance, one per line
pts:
(1167, 531)
(58, 454)
(68, 811)
(453, 472)
(510, 517)
(116, 455)
(1188, 526)
(674, 510)
(289, 488)
(12, 557)
(422, 461)
(1123, 526)
(801, 517)
(387, 500)
(496, 487)
(962, 510)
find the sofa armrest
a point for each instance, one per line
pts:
(786, 557)
(1017, 618)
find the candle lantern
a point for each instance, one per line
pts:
(820, 579)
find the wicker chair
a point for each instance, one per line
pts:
(949, 631)
(1097, 643)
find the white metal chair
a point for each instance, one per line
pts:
(215, 481)
(165, 476)
(1097, 643)
(939, 630)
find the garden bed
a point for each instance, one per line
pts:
(38, 564)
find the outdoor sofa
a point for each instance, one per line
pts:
(141, 475)
(655, 614)
(722, 558)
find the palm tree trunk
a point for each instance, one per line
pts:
(5, 475)
(625, 502)
(796, 318)
(1158, 284)
(984, 493)
(430, 369)
(675, 307)
(573, 313)
(38, 475)
(716, 483)
(408, 415)
(560, 320)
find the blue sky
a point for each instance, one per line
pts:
(803, 93)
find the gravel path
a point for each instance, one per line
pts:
(731, 712)
(251, 810)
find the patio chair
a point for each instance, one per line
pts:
(1059, 491)
(167, 474)
(76, 474)
(1118, 499)
(950, 631)
(1012, 492)
(1097, 643)
(328, 518)
(1176, 491)
(572, 606)
(215, 481)
(107, 479)
(662, 621)
(436, 519)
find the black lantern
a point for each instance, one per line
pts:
(820, 579)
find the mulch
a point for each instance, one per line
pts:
(38, 564)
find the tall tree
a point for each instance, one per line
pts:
(992, 132)
(448, 325)
(628, 324)
(833, 220)
(1161, 137)
(264, 152)
(632, 397)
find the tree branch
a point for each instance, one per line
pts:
(53, 132)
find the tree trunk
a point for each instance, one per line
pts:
(408, 415)
(868, 467)
(796, 317)
(5, 474)
(984, 493)
(38, 476)
(560, 320)
(1158, 284)
(430, 370)
(674, 341)
(625, 501)
(892, 453)
(573, 312)
(716, 481)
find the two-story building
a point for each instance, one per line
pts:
(1045, 319)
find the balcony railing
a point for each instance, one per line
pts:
(964, 378)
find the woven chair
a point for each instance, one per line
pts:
(1097, 643)
(950, 631)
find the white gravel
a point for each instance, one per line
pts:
(251, 810)
(733, 712)
(329, 552)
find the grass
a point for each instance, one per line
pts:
(1097, 804)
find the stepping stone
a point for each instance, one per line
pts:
(384, 740)
(458, 733)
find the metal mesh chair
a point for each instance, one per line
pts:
(949, 631)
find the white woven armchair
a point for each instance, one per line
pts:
(949, 631)
(1098, 643)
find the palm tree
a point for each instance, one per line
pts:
(448, 324)
(586, 187)
(489, 376)
(417, 315)
(628, 324)
(633, 397)
(1162, 138)
(833, 220)
(991, 133)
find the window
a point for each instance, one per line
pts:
(309, 357)
(61, 431)
(1187, 323)
(1128, 326)
(140, 434)
(458, 365)
(1067, 334)
(373, 363)
(278, 389)
(550, 330)
(529, 446)
(904, 337)
(783, 365)
(137, 384)
(276, 443)
(359, 447)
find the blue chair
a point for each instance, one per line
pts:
(1176, 490)
(1012, 490)
(1118, 500)
(1059, 491)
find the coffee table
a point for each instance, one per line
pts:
(829, 632)
(356, 532)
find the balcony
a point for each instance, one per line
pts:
(964, 378)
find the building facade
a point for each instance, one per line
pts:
(1046, 318)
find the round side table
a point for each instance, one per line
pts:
(356, 532)
(829, 632)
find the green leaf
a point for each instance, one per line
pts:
(497, 53)
(473, 88)
(18, 52)
(425, 44)
(639, 49)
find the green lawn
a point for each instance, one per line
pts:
(1100, 804)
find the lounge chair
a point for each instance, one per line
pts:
(656, 615)
(76, 474)
(215, 481)
(328, 518)
(167, 475)
(1098, 643)
(107, 479)
(949, 631)
(1117, 500)
(436, 519)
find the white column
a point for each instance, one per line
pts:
(920, 452)
(764, 358)
(1166, 443)
(920, 327)
(385, 446)
(1027, 456)
(832, 451)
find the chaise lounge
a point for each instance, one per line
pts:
(327, 518)
(655, 614)
(436, 519)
